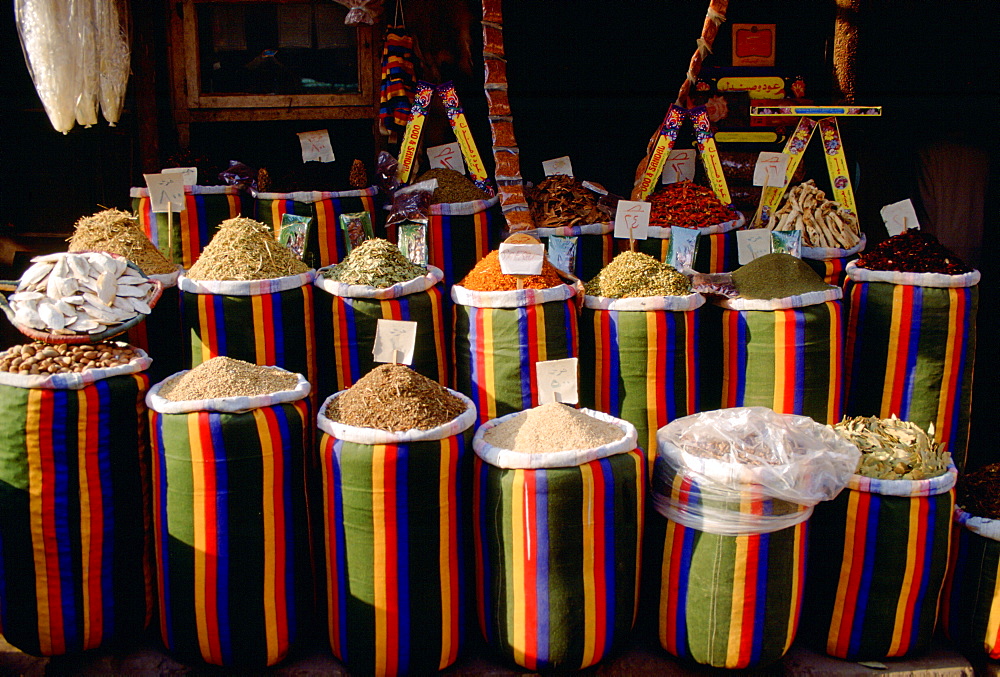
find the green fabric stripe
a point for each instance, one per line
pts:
(13, 460)
(759, 391)
(870, 340)
(709, 599)
(780, 593)
(633, 344)
(972, 595)
(816, 394)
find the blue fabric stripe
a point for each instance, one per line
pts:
(202, 211)
(760, 585)
(403, 554)
(670, 341)
(277, 315)
(287, 446)
(220, 323)
(61, 461)
(525, 367)
(608, 481)
(800, 359)
(341, 564)
(105, 450)
(741, 358)
(161, 489)
(352, 340)
(223, 544)
(542, 580)
(861, 607)
(615, 366)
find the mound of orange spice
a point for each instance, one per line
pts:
(486, 276)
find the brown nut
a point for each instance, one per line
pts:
(27, 350)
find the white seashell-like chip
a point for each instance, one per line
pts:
(52, 318)
(141, 306)
(136, 292)
(106, 287)
(35, 274)
(29, 317)
(27, 296)
(79, 265)
(131, 279)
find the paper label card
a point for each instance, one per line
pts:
(770, 169)
(190, 174)
(559, 165)
(557, 381)
(316, 146)
(521, 259)
(899, 216)
(447, 156)
(752, 244)
(632, 219)
(166, 192)
(680, 166)
(394, 341)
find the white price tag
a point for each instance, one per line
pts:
(632, 219)
(166, 192)
(521, 259)
(770, 169)
(899, 216)
(560, 165)
(316, 146)
(447, 156)
(557, 381)
(752, 244)
(190, 174)
(680, 166)
(394, 341)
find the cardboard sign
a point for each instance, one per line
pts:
(166, 192)
(899, 216)
(190, 174)
(560, 165)
(770, 169)
(557, 381)
(752, 244)
(316, 146)
(680, 166)
(394, 341)
(632, 219)
(521, 259)
(447, 156)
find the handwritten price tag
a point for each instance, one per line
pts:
(190, 174)
(899, 216)
(447, 156)
(316, 146)
(394, 341)
(521, 259)
(679, 167)
(560, 165)
(770, 169)
(166, 191)
(557, 381)
(752, 244)
(632, 219)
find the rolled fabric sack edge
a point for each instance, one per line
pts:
(691, 301)
(231, 405)
(932, 486)
(517, 298)
(245, 287)
(940, 280)
(359, 435)
(661, 233)
(464, 208)
(810, 298)
(827, 253)
(981, 526)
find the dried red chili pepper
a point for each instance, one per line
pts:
(913, 251)
(688, 205)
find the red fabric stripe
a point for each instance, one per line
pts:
(267, 310)
(902, 349)
(391, 561)
(479, 355)
(730, 336)
(600, 553)
(96, 526)
(50, 541)
(857, 569)
(211, 540)
(530, 570)
(751, 580)
(918, 574)
(280, 537)
(531, 316)
(792, 319)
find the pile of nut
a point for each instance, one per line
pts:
(42, 358)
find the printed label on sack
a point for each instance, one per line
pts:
(683, 248)
(190, 174)
(559, 165)
(680, 166)
(521, 259)
(394, 341)
(770, 169)
(316, 146)
(899, 216)
(752, 244)
(166, 192)
(632, 219)
(447, 156)
(557, 381)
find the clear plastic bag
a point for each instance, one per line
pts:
(114, 55)
(45, 29)
(362, 12)
(412, 204)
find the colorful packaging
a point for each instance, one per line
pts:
(357, 227)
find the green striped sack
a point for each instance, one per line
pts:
(326, 244)
(911, 345)
(498, 338)
(970, 602)
(205, 207)
(717, 251)
(461, 233)
(644, 357)
(558, 541)
(877, 571)
(831, 263)
(347, 318)
(158, 333)
(595, 246)
(229, 517)
(396, 543)
(75, 539)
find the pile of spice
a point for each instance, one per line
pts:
(979, 492)
(824, 223)
(688, 205)
(375, 263)
(63, 358)
(775, 276)
(913, 251)
(225, 377)
(552, 427)
(487, 276)
(562, 201)
(892, 449)
(452, 186)
(393, 397)
(244, 249)
(118, 232)
(633, 274)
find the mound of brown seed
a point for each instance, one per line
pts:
(42, 358)
(244, 249)
(225, 377)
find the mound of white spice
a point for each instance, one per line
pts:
(552, 427)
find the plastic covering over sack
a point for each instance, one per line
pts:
(362, 12)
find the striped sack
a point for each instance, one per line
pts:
(970, 601)
(266, 322)
(157, 334)
(396, 543)
(911, 345)
(461, 233)
(558, 551)
(75, 539)
(347, 318)
(325, 245)
(229, 516)
(595, 246)
(717, 251)
(499, 336)
(205, 207)
(640, 360)
(876, 572)
(830, 263)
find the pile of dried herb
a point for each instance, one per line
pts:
(633, 274)
(561, 201)
(394, 397)
(487, 276)
(775, 276)
(913, 251)
(552, 427)
(452, 186)
(892, 449)
(225, 377)
(375, 263)
(118, 232)
(244, 249)
(687, 205)
(979, 492)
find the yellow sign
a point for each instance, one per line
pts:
(713, 167)
(464, 135)
(408, 149)
(746, 137)
(836, 163)
(771, 195)
(760, 87)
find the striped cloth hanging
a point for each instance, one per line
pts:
(398, 81)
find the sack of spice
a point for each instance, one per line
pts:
(452, 186)
(558, 499)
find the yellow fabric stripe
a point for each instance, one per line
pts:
(518, 563)
(891, 359)
(665, 582)
(444, 552)
(739, 590)
(589, 578)
(833, 637)
(329, 523)
(913, 550)
(308, 312)
(796, 573)
(652, 386)
(780, 371)
(200, 538)
(488, 376)
(540, 342)
(835, 376)
(81, 447)
(993, 622)
(378, 524)
(261, 329)
(270, 541)
(950, 362)
(35, 488)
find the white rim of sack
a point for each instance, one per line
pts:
(931, 486)
(691, 301)
(658, 233)
(464, 208)
(229, 405)
(143, 191)
(358, 435)
(168, 279)
(363, 291)
(600, 228)
(828, 253)
(939, 280)
(511, 299)
(74, 380)
(983, 526)
(245, 287)
(812, 298)
(312, 196)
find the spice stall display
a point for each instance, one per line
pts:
(396, 467)
(911, 336)
(558, 504)
(875, 576)
(500, 332)
(733, 490)
(639, 330)
(459, 234)
(375, 282)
